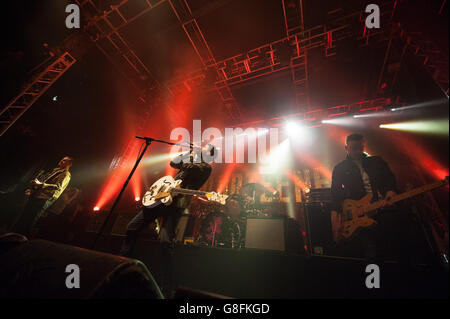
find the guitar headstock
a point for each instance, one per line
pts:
(216, 197)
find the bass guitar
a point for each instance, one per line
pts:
(357, 214)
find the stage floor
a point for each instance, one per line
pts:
(255, 273)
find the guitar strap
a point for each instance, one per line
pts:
(52, 174)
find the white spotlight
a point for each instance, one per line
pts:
(292, 128)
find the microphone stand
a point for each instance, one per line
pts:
(148, 141)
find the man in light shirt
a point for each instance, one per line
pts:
(44, 190)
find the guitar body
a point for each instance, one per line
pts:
(355, 213)
(353, 218)
(163, 186)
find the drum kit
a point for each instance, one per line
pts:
(218, 227)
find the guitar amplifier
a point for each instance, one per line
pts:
(265, 233)
(320, 195)
(318, 229)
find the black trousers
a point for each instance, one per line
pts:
(31, 213)
(171, 217)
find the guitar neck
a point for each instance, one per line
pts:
(405, 195)
(186, 191)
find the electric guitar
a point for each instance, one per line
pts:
(163, 190)
(356, 214)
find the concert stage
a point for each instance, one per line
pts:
(255, 273)
(273, 141)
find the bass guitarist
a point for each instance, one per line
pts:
(355, 177)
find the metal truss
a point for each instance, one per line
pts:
(103, 31)
(314, 118)
(293, 16)
(103, 27)
(289, 53)
(293, 19)
(33, 90)
(201, 47)
(105, 23)
(431, 56)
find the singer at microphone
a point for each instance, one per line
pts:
(182, 157)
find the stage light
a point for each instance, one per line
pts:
(96, 209)
(298, 134)
(165, 157)
(342, 121)
(420, 105)
(276, 159)
(292, 128)
(436, 127)
(137, 198)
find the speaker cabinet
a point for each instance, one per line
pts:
(265, 233)
(39, 269)
(318, 228)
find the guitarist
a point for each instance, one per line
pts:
(353, 178)
(193, 174)
(44, 190)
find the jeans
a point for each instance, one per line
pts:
(171, 217)
(146, 216)
(30, 216)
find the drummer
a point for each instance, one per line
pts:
(234, 207)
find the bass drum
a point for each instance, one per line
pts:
(219, 230)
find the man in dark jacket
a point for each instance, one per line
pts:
(353, 178)
(193, 174)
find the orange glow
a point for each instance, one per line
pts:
(294, 178)
(117, 178)
(112, 187)
(312, 162)
(136, 183)
(340, 134)
(268, 186)
(255, 177)
(414, 150)
(225, 178)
